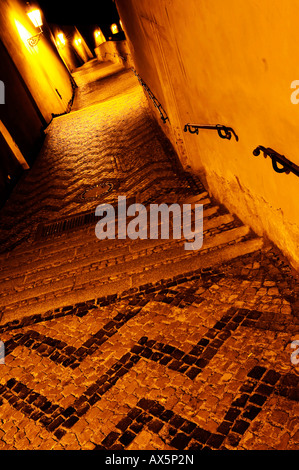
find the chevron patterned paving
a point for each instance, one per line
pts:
(189, 368)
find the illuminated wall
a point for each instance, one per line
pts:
(81, 46)
(64, 42)
(99, 37)
(71, 46)
(230, 63)
(65, 49)
(42, 70)
(19, 114)
(37, 85)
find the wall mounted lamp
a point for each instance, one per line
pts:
(114, 28)
(36, 18)
(60, 40)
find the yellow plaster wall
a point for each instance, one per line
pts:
(40, 67)
(82, 49)
(230, 63)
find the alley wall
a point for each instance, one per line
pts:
(230, 63)
(41, 67)
(37, 85)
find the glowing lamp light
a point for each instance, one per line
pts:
(78, 42)
(25, 35)
(99, 37)
(61, 39)
(114, 28)
(36, 18)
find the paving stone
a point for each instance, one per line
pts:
(180, 441)
(224, 427)
(257, 399)
(232, 414)
(127, 438)
(124, 424)
(257, 372)
(240, 426)
(251, 412)
(155, 425)
(215, 440)
(110, 439)
(200, 435)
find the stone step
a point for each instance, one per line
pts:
(156, 258)
(146, 252)
(91, 253)
(54, 243)
(42, 252)
(73, 280)
(95, 258)
(210, 259)
(214, 222)
(85, 292)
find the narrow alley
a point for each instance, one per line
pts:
(137, 344)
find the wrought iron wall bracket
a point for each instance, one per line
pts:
(223, 131)
(33, 41)
(286, 165)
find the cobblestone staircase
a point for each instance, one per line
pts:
(110, 136)
(74, 267)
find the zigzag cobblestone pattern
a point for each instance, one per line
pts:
(187, 366)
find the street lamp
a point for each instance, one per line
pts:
(60, 40)
(36, 18)
(114, 28)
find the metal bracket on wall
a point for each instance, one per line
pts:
(223, 131)
(33, 41)
(287, 165)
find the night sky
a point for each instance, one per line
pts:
(85, 14)
(83, 11)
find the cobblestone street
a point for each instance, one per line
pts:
(137, 344)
